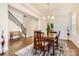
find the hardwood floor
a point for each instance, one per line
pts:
(72, 49)
(18, 44)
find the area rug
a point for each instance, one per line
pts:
(30, 51)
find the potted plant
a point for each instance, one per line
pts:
(52, 25)
(48, 29)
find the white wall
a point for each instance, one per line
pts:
(31, 24)
(11, 25)
(75, 38)
(61, 23)
(43, 25)
(4, 24)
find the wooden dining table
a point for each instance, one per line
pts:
(50, 40)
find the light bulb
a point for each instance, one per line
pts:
(52, 17)
(48, 16)
(44, 17)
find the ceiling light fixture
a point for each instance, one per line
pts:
(49, 17)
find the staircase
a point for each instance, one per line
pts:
(18, 23)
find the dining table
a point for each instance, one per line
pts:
(47, 40)
(50, 41)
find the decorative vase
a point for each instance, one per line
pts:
(2, 43)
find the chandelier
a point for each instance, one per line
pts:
(48, 17)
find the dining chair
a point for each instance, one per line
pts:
(39, 41)
(57, 39)
(54, 37)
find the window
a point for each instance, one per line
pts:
(74, 23)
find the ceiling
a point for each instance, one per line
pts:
(54, 8)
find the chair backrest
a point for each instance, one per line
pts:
(38, 36)
(53, 34)
(55, 38)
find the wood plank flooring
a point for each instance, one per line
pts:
(17, 44)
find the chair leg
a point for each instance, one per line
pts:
(35, 51)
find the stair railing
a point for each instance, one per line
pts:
(17, 22)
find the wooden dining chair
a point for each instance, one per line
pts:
(54, 41)
(57, 39)
(39, 41)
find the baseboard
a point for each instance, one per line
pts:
(63, 39)
(28, 35)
